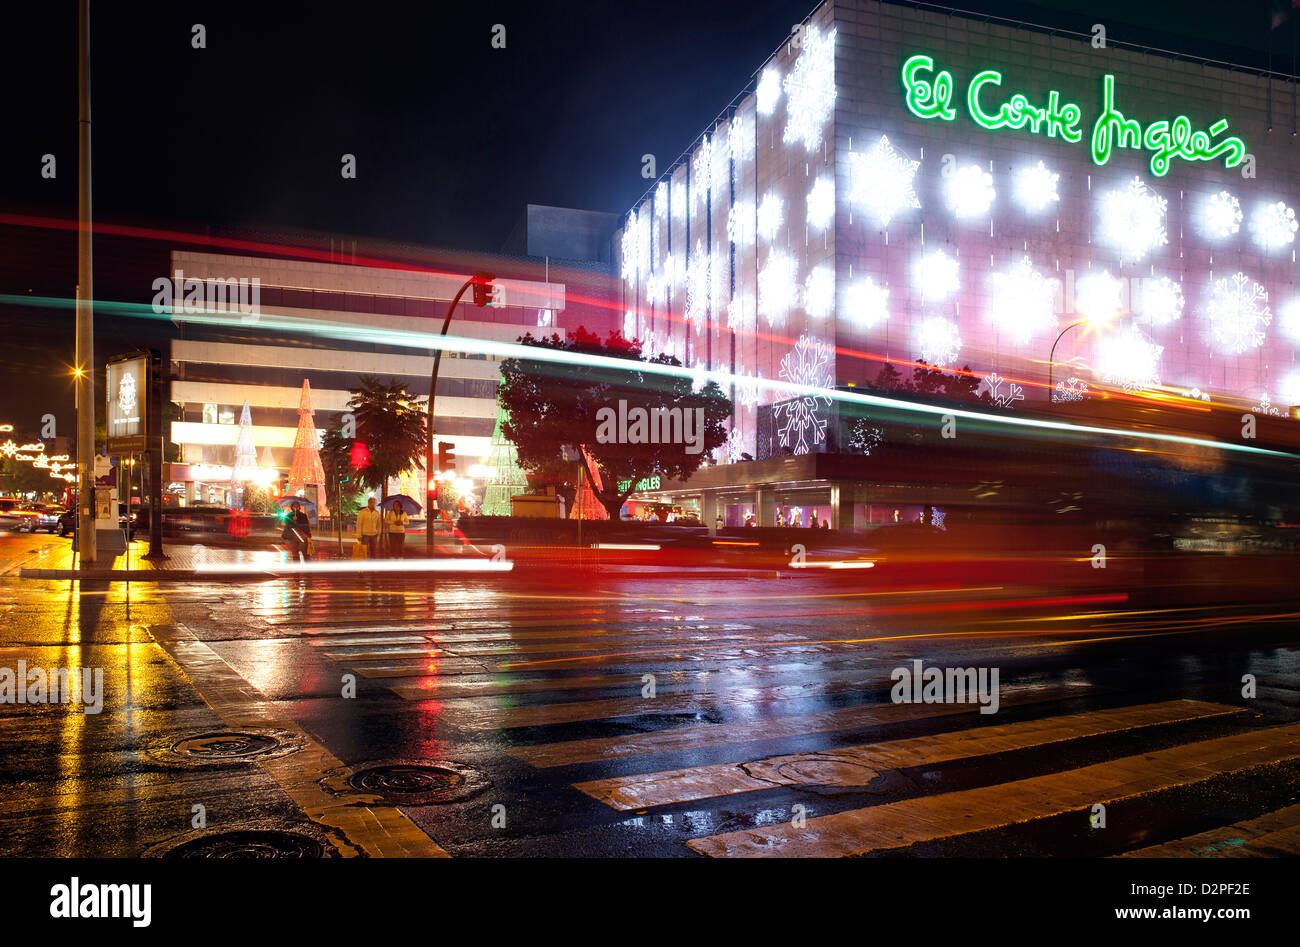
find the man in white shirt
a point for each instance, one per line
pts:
(396, 521)
(368, 526)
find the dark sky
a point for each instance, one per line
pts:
(452, 137)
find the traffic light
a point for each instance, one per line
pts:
(446, 457)
(483, 289)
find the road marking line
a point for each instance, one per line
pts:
(929, 818)
(1272, 835)
(766, 728)
(379, 832)
(858, 765)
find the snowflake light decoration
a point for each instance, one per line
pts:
(697, 283)
(1022, 302)
(768, 92)
(778, 283)
(1098, 296)
(1133, 220)
(1221, 216)
(935, 275)
(628, 245)
(771, 214)
(810, 89)
(1291, 389)
(746, 390)
(629, 324)
(1274, 225)
(1129, 360)
(677, 198)
(969, 192)
(1237, 314)
(819, 292)
(882, 181)
(1072, 389)
(808, 366)
(1003, 398)
(1161, 302)
(733, 447)
(661, 199)
(937, 341)
(864, 437)
(1036, 187)
(1288, 320)
(740, 223)
(740, 312)
(719, 281)
(701, 173)
(656, 288)
(866, 303)
(644, 242)
(740, 139)
(821, 204)
(1266, 407)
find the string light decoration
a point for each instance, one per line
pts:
(678, 200)
(821, 204)
(1129, 360)
(1133, 220)
(629, 324)
(1098, 296)
(1036, 187)
(969, 192)
(702, 172)
(1221, 216)
(934, 274)
(720, 280)
(740, 139)
(808, 366)
(740, 312)
(1001, 398)
(937, 341)
(768, 92)
(810, 89)
(882, 181)
(1274, 225)
(1288, 320)
(819, 292)
(1291, 389)
(771, 214)
(778, 282)
(1237, 314)
(1161, 303)
(1022, 302)
(661, 199)
(866, 303)
(697, 283)
(1072, 389)
(740, 223)
(629, 251)
(1266, 407)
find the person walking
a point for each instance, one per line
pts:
(369, 524)
(396, 520)
(297, 532)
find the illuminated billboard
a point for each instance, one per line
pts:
(127, 392)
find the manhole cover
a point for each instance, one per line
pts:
(250, 840)
(231, 747)
(225, 746)
(418, 782)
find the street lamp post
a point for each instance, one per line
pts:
(85, 297)
(479, 279)
(1051, 359)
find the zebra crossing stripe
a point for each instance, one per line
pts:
(1272, 835)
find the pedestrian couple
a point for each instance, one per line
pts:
(371, 526)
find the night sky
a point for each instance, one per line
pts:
(452, 137)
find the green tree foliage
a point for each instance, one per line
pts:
(554, 405)
(391, 423)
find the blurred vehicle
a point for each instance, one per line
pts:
(67, 522)
(48, 517)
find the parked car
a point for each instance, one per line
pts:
(68, 522)
(48, 517)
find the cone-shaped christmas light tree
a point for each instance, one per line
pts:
(245, 467)
(508, 478)
(306, 469)
(585, 505)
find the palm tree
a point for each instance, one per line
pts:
(391, 422)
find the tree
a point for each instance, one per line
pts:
(336, 458)
(553, 405)
(391, 423)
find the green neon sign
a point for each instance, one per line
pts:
(928, 95)
(646, 483)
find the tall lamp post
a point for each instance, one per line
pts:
(482, 283)
(85, 295)
(1051, 359)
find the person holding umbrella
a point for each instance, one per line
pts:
(297, 532)
(396, 520)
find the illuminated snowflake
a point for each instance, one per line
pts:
(882, 181)
(661, 199)
(1003, 399)
(808, 366)
(1162, 301)
(740, 312)
(746, 390)
(935, 275)
(771, 214)
(697, 283)
(810, 89)
(937, 341)
(969, 191)
(629, 324)
(629, 248)
(1237, 313)
(778, 284)
(1133, 220)
(1266, 407)
(740, 139)
(1274, 225)
(1036, 187)
(1291, 389)
(656, 288)
(1022, 302)
(821, 204)
(730, 449)
(1222, 215)
(1289, 320)
(768, 92)
(740, 223)
(1072, 389)
(1098, 296)
(1129, 360)
(678, 199)
(864, 437)
(720, 280)
(819, 292)
(866, 303)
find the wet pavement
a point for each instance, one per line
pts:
(564, 712)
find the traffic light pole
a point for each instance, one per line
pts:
(433, 390)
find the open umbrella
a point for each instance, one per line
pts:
(408, 504)
(308, 506)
